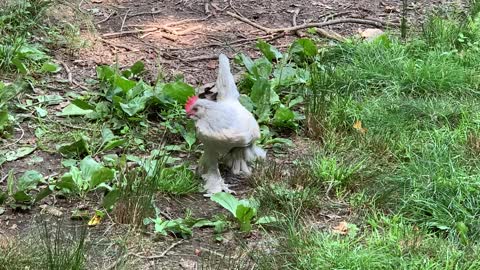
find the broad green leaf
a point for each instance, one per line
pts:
(113, 144)
(133, 106)
(3, 197)
(123, 83)
(270, 52)
(304, 47)
(178, 91)
(50, 99)
(111, 198)
(246, 61)
(50, 67)
(284, 117)
(284, 76)
(261, 95)
(42, 194)
(29, 180)
(262, 69)
(101, 175)
(227, 201)
(22, 197)
(295, 101)
(77, 148)
(247, 102)
(88, 166)
(17, 153)
(32, 53)
(203, 223)
(137, 68)
(67, 183)
(245, 214)
(41, 112)
(260, 89)
(82, 104)
(105, 73)
(107, 135)
(21, 67)
(73, 110)
(266, 220)
(277, 141)
(4, 119)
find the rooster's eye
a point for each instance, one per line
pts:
(194, 109)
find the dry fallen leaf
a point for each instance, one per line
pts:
(95, 220)
(341, 228)
(358, 126)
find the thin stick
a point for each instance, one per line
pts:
(294, 21)
(124, 19)
(187, 21)
(376, 23)
(161, 255)
(245, 20)
(108, 18)
(234, 9)
(118, 45)
(146, 13)
(69, 73)
(16, 141)
(118, 34)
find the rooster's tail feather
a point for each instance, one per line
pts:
(225, 82)
(238, 159)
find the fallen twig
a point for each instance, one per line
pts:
(376, 23)
(108, 18)
(69, 72)
(234, 9)
(118, 45)
(16, 141)
(187, 21)
(146, 13)
(122, 33)
(124, 19)
(160, 255)
(294, 21)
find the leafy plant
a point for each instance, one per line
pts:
(84, 145)
(245, 211)
(88, 176)
(20, 190)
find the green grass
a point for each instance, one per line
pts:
(47, 246)
(411, 175)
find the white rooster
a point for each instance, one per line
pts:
(226, 129)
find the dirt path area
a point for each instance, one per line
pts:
(186, 36)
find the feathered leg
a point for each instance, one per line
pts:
(208, 170)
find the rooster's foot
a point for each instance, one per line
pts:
(221, 188)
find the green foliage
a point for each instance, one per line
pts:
(183, 227)
(88, 176)
(245, 211)
(267, 84)
(18, 20)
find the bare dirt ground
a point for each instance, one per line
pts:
(182, 37)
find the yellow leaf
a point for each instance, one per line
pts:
(341, 228)
(95, 220)
(358, 126)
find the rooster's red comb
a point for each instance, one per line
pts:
(190, 101)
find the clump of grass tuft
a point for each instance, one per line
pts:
(135, 193)
(279, 188)
(50, 246)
